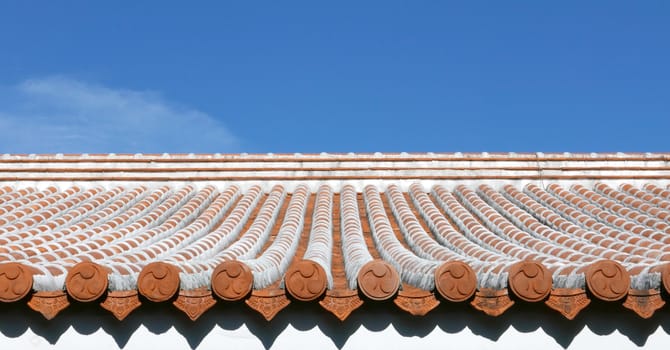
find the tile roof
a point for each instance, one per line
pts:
(490, 230)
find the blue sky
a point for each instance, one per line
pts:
(340, 76)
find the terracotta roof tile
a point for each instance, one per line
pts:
(491, 230)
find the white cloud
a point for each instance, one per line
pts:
(63, 115)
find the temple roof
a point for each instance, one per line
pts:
(194, 231)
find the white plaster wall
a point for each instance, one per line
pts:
(381, 170)
(426, 165)
(291, 338)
